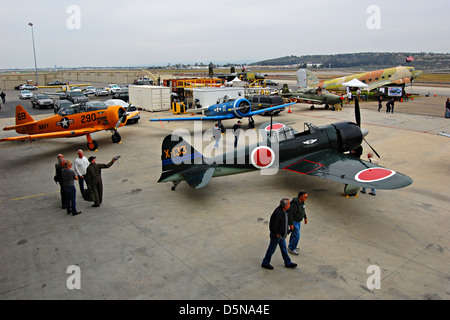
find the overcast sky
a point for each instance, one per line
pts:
(148, 32)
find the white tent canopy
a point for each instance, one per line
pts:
(355, 83)
(236, 82)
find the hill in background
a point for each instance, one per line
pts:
(366, 59)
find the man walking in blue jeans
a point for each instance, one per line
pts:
(278, 227)
(296, 214)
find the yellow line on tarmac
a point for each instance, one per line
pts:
(33, 196)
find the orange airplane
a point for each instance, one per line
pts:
(78, 120)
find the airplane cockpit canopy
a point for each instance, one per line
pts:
(284, 133)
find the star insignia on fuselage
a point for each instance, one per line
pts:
(64, 122)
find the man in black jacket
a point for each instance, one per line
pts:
(278, 227)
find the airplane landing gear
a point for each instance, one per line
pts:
(92, 145)
(251, 123)
(175, 184)
(312, 107)
(116, 138)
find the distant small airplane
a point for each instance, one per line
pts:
(234, 109)
(318, 151)
(374, 79)
(244, 75)
(306, 94)
(73, 122)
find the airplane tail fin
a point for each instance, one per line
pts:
(23, 118)
(301, 79)
(181, 161)
(305, 78)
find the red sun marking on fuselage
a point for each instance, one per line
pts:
(262, 157)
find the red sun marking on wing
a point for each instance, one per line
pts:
(374, 174)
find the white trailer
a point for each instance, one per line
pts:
(204, 97)
(150, 98)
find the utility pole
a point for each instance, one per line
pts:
(34, 51)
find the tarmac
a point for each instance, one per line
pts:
(148, 242)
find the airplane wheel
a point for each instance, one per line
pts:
(92, 146)
(116, 138)
(333, 108)
(312, 108)
(327, 107)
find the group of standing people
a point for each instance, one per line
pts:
(217, 133)
(389, 105)
(285, 219)
(85, 170)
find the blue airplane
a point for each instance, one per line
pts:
(240, 108)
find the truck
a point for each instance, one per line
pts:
(150, 98)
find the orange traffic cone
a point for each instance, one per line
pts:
(289, 110)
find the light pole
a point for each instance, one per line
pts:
(34, 51)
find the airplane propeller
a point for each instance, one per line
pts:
(364, 132)
(122, 115)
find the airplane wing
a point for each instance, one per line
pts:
(205, 118)
(60, 134)
(252, 113)
(60, 94)
(223, 117)
(343, 168)
(378, 84)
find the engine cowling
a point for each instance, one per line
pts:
(242, 108)
(349, 135)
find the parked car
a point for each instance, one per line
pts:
(61, 104)
(264, 101)
(75, 89)
(101, 92)
(113, 88)
(127, 106)
(41, 101)
(122, 96)
(143, 81)
(56, 83)
(27, 87)
(76, 97)
(271, 82)
(25, 94)
(95, 105)
(89, 90)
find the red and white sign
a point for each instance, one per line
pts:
(374, 174)
(262, 157)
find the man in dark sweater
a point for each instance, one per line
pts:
(278, 227)
(296, 214)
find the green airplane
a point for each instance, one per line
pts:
(311, 95)
(318, 151)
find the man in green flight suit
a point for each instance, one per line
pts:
(94, 179)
